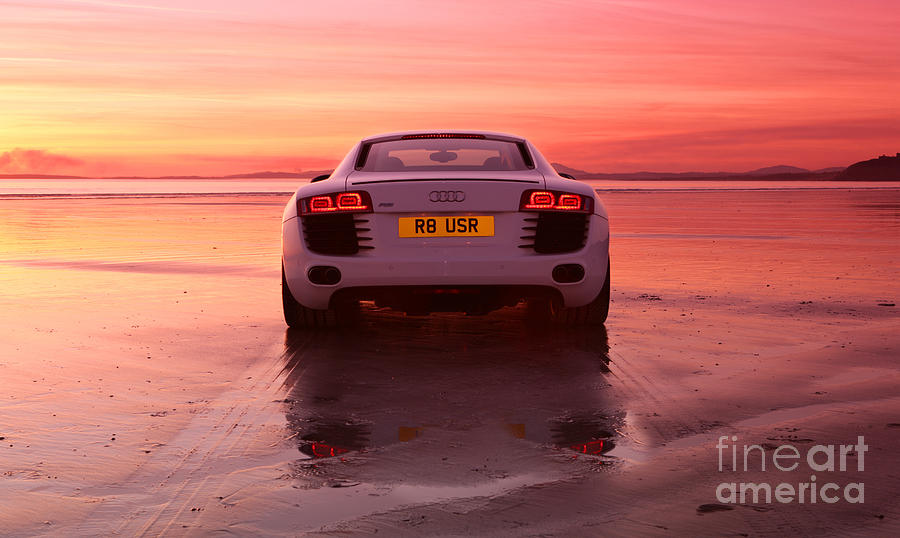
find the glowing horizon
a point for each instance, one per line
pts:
(152, 88)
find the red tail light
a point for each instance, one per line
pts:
(555, 201)
(351, 201)
(442, 135)
(569, 201)
(321, 450)
(338, 202)
(540, 200)
(321, 204)
(592, 447)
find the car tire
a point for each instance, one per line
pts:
(593, 313)
(298, 316)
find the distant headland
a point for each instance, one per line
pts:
(883, 168)
(309, 174)
(769, 173)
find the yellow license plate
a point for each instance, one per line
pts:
(446, 226)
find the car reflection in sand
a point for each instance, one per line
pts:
(396, 379)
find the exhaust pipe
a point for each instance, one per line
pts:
(324, 275)
(568, 273)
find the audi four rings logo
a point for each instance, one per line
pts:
(446, 196)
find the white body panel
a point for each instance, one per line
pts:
(444, 261)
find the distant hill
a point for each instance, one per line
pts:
(563, 169)
(883, 168)
(267, 175)
(779, 172)
(830, 170)
(38, 176)
(281, 175)
(779, 169)
(249, 175)
(252, 175)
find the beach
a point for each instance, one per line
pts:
(151, 387)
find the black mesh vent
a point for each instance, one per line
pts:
(555, 233)
(335, 234)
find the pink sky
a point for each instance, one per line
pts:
(151, 87)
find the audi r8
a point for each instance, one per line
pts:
(445, 221)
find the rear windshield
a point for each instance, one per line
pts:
(443, 154)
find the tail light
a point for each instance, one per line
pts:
(337, 202)
(594, 448)
(537, 200)
(442, 135)
(322, 450)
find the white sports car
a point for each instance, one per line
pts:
(464, 221)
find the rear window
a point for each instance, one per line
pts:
(443, 154)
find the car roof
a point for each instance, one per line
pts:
(400, 134)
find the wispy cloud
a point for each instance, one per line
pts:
(656, 83)
(32, 59)
(19, 160)
(149, 7)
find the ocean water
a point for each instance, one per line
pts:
(36, 188)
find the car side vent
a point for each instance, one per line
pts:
(555, 233)
(342, 234)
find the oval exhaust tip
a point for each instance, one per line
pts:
(568, 273)
(324, 275)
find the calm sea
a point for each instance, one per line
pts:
(37, 188)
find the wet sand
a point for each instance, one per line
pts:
(150, 387)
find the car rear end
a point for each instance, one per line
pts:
(421, 240)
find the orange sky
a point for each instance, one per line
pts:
(106, 87)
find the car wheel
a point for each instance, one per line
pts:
(596, 312)
(593, 313)
(298, 316)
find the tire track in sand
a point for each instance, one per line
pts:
(159, 495)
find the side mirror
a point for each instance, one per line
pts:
(320, 178)
(567, 176)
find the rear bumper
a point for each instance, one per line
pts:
(446, 267)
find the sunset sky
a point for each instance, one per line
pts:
(155, 87)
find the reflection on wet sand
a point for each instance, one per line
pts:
(395, 379)
(770, 316)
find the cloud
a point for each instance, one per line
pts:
(838, 142)
(140, 6)
(21, 160)
(233, 164)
